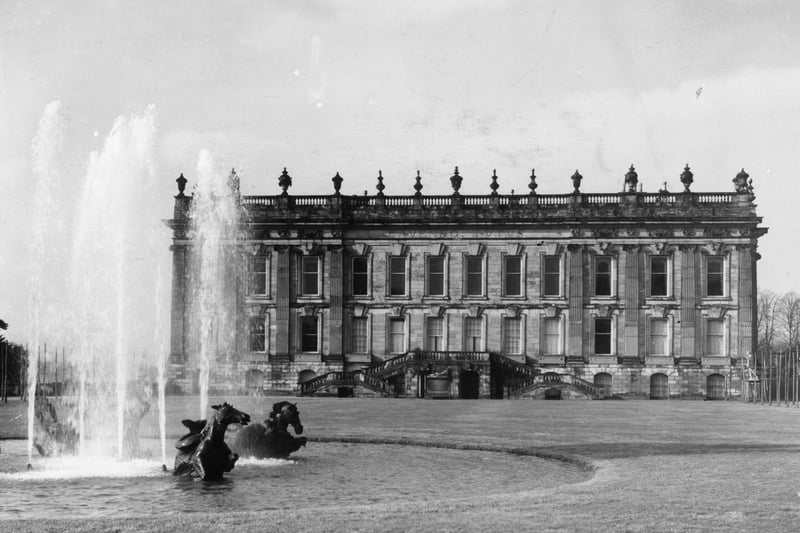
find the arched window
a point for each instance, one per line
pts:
(305, 375)
(659, 387)
(715, 387)
(603, 381)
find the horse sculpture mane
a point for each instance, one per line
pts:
(203, 452)
(272, 440)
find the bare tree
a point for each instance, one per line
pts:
(788, 319)
(766, 319)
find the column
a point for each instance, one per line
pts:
(336, 276)
(575, 301)
(282, 300)
(630, 284)
(747, 294)
(690, 338)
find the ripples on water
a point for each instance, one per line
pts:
(322, 475)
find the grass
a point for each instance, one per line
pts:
(657, 466)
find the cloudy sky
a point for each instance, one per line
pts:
(354, 87)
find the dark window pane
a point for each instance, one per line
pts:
(658, 276)
(360, 276)
(257, 334)
(602, 276)
(310, 276)
(602, 336)
(715, 276)
(258, 275)
(475, 275)
(397, 276)
(308, 332)
(513, 281)
(552, 276)
(436, 276)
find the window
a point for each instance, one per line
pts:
(552, 275)
(309, 334)
(602, 336)
(474, 281)
(512, 283)
(309, 278)
(257, 341)
(603, 380)
(715, 336)
(435, 277)
(658, 276)
(360, 276)
(715, 387)
(602, 276)
(473, 334)
(551, 336)
(397, 335)
(658, 336)
(358, 335)
(434, 339)
(715, 276)
(397, 276)
(512, 336)
(257, 281)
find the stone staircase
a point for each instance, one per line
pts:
(554, 379)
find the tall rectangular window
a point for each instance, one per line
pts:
(257, 334)
(658, 336)
(602, 276)
(551, 337)
(602, 336)
(397, 335)
(434, 339)
(658, 276)
(715, 276)
(552, 276)
(436, 279)
(715, 337)
(360, 276)
(512, 283)
(512, 336)
(309, 279)
(358, 335)
(474, 281)
(309, 334)
(397, 276)
(257, 275)
(473, 334)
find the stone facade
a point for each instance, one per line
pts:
(625, 294)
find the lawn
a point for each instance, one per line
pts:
(656, 466)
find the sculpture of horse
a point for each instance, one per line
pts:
(203, 452)
(273, 439)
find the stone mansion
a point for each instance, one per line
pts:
(628, 294)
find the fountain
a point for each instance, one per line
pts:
(96, 287)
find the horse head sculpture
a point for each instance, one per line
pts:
(283, 415)
(272, 440)
(202, 452)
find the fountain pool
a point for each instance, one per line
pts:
(323, 475)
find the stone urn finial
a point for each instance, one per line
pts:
(181, 186)
(455, 181)
(337, 184)
(418, 185)
(631, 180)
(576, 182)
(532, 184)
(285, 181)
(494, 185)
(687, 177)
(740, 183)
(380, 186)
